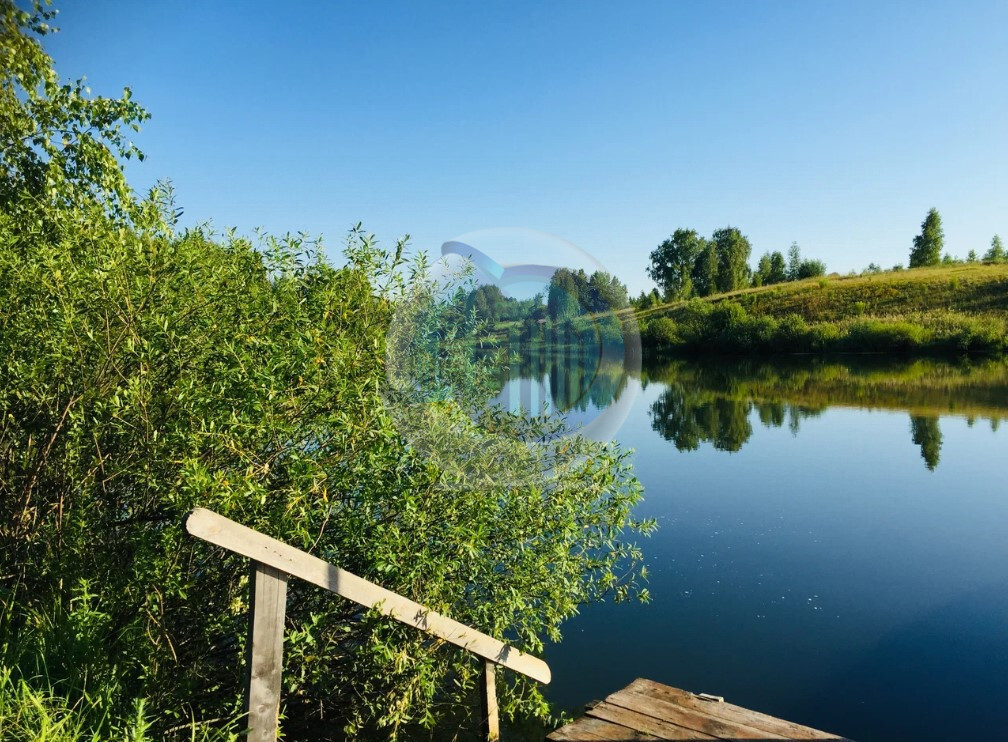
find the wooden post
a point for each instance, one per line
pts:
(267, 607)
(488, 702)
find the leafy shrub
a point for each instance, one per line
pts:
(145, 371)
(875, 335)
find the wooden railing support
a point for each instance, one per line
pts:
(274, 561)
(264, 664)
(488, 702)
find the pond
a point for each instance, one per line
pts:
(832, 544)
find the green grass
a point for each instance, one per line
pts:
(36, 712)
(945, 310)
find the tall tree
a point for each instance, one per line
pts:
(762, 270)
(568, 294)
(672, 263)
(794, 262)
(927, 246)
(778, 268)
(996, 254)
(771, 269)
(733, 251)
(705, 270)
(607, 292)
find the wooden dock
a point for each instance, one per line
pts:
(646, 710)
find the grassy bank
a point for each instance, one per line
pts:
(948, 310)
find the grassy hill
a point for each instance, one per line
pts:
(948, 309)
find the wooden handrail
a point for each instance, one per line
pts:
(274, 560)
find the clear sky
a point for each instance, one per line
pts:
(833, 124)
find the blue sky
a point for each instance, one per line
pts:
(833, 124)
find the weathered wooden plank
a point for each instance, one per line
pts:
(267, 608)
(259, 547)
(663, 728)
(488, 702)
(696, 721)
(728, 712)
(589, 729)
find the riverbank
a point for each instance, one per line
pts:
(948, 310)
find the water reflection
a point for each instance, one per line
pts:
(567, 380)
(927, 435)
(837, 557)
(711, 402)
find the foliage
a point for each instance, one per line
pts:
(607, 292)
(145, 371)
(733, 251)
(996, 254)
(687, 265)
(729, 328)
(927, 246)
(799, 269)
(572, 293)
(771, 269)
(58, 145)
(646, 300)
(673, 263)
(488, 302)
(705, 270)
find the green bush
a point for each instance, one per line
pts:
(145, 371)
(874, 335)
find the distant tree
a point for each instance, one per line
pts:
(705, 270)
(733, 249)
(927, 246)
(811, 269)
(778, 268)
(762, 270)
(996, 254)
(487, 302)
(572, 293)
(564, 297)
(798, 269)
(673, 261)
(606, 292)
(972, 256)
(771, 269)
(794, 261)
(873, 268)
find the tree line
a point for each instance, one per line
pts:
(570, 294)
(573, 293)
(687, 265)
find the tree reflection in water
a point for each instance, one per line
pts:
(712, 402)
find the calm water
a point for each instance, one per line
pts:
(833, 543)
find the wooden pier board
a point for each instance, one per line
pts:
(646, 710)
